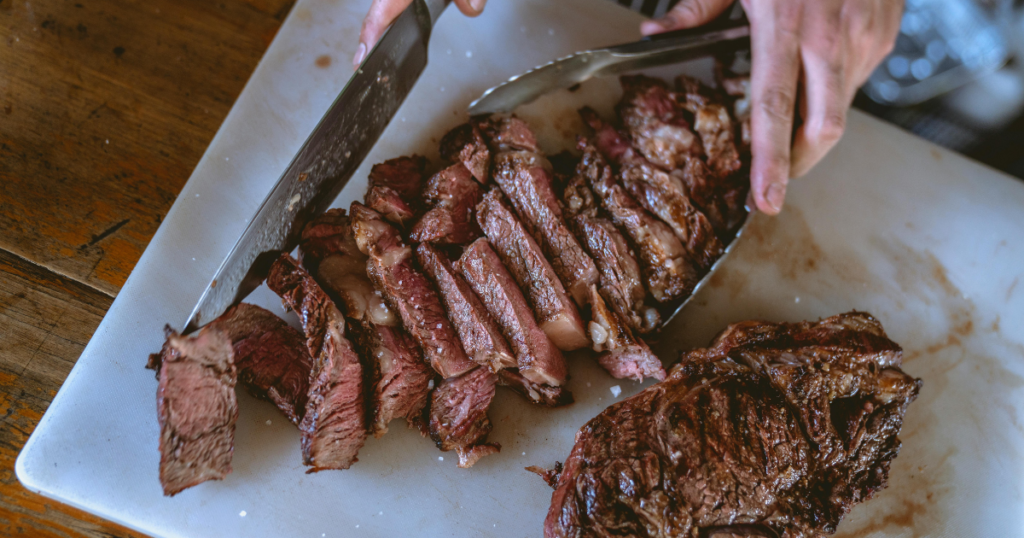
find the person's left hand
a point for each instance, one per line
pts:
(384, 12)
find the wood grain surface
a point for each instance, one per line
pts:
(105, 108)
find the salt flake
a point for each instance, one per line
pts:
(616, 390)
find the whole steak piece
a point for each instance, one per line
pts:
(776, 430)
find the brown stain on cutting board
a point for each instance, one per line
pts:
(323, 61)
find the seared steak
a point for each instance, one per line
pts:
(775, 430)
(270, 356)
(458, 415)
(712, 123)
(623, 355)
(480, 335)
(334, 425)
(556, 313)
(537, 393)
(465, 144)
(404, 175)
(196, 407)
(408, 292)
(508, 133)
(655, 121)
(537, 357)
(389, 204)
(452, 194)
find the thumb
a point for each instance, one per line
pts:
(686, 14)
(382, 14)
(470, 8)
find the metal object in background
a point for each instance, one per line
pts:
(942, 45)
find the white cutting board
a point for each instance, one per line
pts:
(927, 241)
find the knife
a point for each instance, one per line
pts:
(725, 34)
(334, 150)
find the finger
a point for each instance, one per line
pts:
(471, 8)
(827, 91)
(686, 14)
(773, 80)
(382, 14)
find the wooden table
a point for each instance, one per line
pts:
(105, 109)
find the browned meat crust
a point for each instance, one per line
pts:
(452, 194)
(458, 415)
(465, 144)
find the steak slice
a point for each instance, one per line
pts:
(663, 196)
(465, 144)
(525, 178)
(452, 195)
(716, 131)
(623, 355)
(397, 379)
(508, 133)
(270, 357)
(537, 393)
(389, 204)
(403, 175)
(621, 282)
(667, 272)
(655, 121)
(774, 430)
(334, 424)
(537, 357)
(408, 292)
(458, 415)
(480, 335)
(196, 408)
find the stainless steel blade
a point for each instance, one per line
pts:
(336, 147)
(571, 70)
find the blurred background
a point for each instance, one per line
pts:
(956, 76)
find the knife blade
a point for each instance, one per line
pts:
(723, 35)
(326, 161)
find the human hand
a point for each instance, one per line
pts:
(826, 48)
(384, 12)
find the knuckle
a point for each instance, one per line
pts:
(692, 10)
(777, 103)
(831, 128)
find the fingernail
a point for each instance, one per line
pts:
(775, 194)
(750, 205)
(477, 5)
(653, 26)
(360, 55)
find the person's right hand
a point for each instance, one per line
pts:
(384, 12)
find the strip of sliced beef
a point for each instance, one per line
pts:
(458, 415)
(621, 282)
(556, 314)
(712, 123)
(537, 357)
(334, 425)
(408, 292)
(623, 355)
(738, 87)
(389, 204)
(526, 179)
(508, 133)
(270, 356)
(480, 335)
(452, 194)
(774, 430)
(537, 393)
(655, 121)
(465, 144)
(404, 175)
(667, 272)
(662, 195)
(396, 376)
(196, 408)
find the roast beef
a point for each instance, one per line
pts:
(775, 430)
(334, 424)
(556, 314)
(480, 335)
(655, 121)
(458, 415)
(452, 194)
(408, 292)
(622, 354)
(536, 356)
(196, 408)
(465, 144)
(270, 356)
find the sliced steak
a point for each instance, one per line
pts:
(716, 131)
(623, 355)
(655, 121)
(556, 314)
(738, 87)
(537, 357)
(537, 393)
(465, 144)
(662, 195)
(508, 133)
(458, 415)
(270, 356)
(775, 430)
(389, 204)
(397, 378)
(452, 194)
(480, 335)
(196, 408)
(334, 424)
(668, 274)
(404, 175)
(408, 292)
